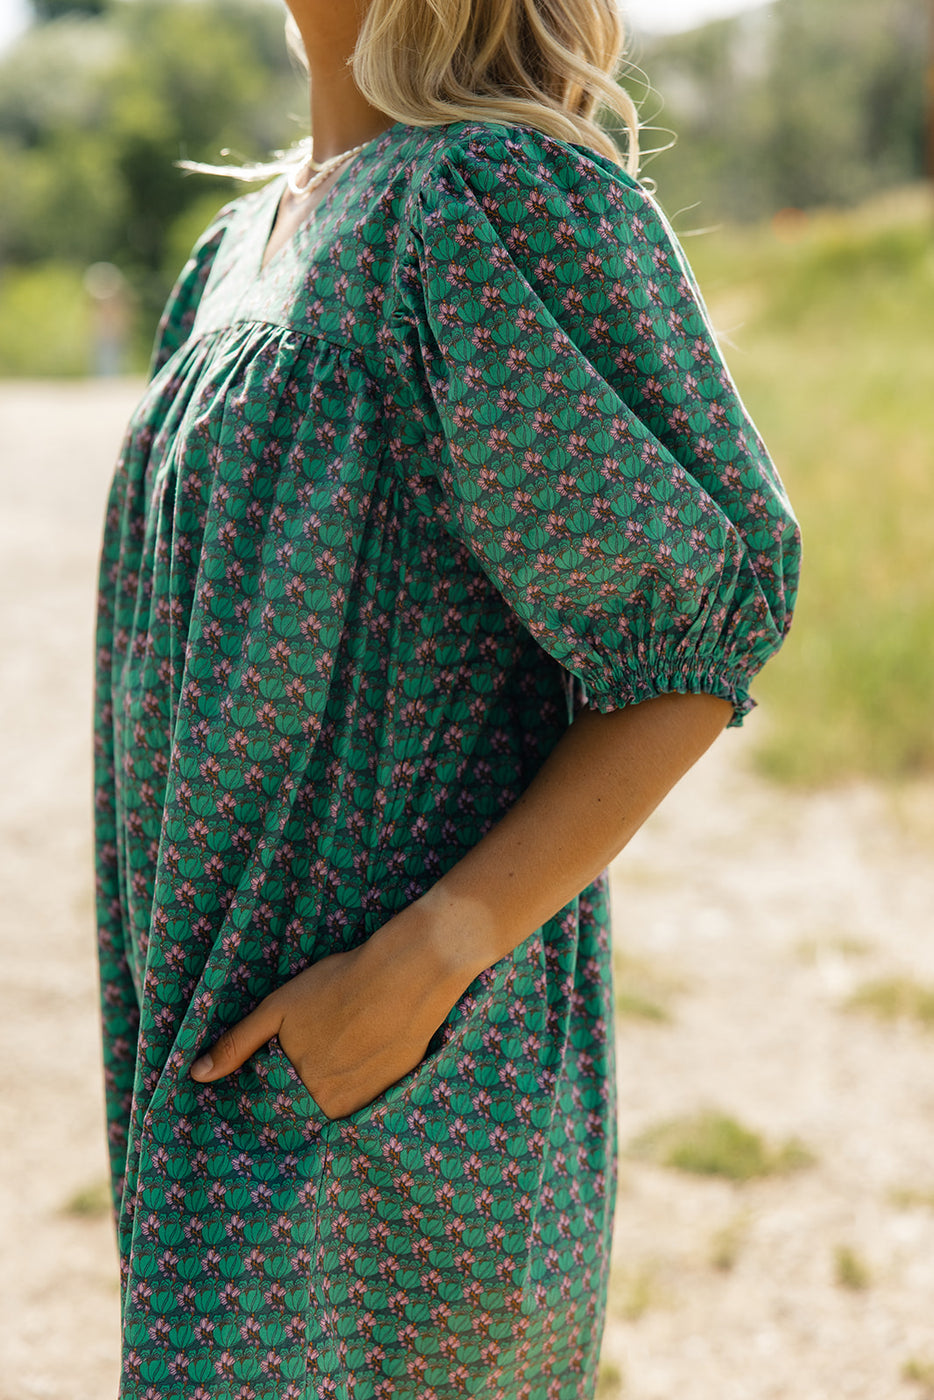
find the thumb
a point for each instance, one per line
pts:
(238, 1043)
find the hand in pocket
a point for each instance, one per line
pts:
(353, 1023)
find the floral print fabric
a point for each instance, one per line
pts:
(462, 459)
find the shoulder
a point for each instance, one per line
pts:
(551, 204)
(518, 173)
(564, 216)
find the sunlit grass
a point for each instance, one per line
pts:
(710, 1143)
(850, 1269)
(609, 1381)
(920, 1371)
(89, 1201)
(912, 1197)
(830, 324)
(895, 998)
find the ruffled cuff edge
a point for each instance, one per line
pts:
(615, 694)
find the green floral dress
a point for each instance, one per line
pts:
(463, 459)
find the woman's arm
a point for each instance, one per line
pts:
(356, 1022)
(597, 787)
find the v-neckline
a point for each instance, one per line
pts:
(267, 225)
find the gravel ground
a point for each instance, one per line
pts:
(749, 913)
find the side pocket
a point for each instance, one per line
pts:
(284, 1078)
(282, 1068)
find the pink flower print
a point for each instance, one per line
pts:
(210, 1263)
(645, 326)
(701, 352)
(668, 355)
(186, 893)
(224, 1365)
(573, 302)
(517, 359)
(491, 298)
(249, 1329)
(132, 1363)
(482, 340)
(204, 1329)
(653, 392)
(473, 378)
(271, 1365)
(444, 1194)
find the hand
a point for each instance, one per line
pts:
(352, 1023)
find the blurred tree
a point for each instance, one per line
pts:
(793, 104)
(95, 109)
(54, 9)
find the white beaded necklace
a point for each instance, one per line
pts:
(323, 170)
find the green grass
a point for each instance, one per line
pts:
(895, 998)
(829, 339)
(920, 1371)
(609, 1381)
(90, 1201)
(710, 1143)
(850, 1270)
(911, 1197)
(45, 321)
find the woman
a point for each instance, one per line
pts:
(439, 548)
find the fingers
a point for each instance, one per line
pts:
(238, 1043)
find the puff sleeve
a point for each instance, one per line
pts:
(591, 448)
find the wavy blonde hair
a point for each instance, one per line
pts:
(542, 63)
(548, 64)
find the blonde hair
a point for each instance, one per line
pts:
(547, 64)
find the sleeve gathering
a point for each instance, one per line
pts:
(591, 448)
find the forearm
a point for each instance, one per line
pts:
(597, 787)
(353, 1022)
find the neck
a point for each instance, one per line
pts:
(341, 117)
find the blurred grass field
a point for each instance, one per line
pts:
(827, 322)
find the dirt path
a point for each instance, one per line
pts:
(766, 909)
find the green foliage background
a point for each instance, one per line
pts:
(828, 332)
(800, 103)
(797, 106)
(95, 108)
